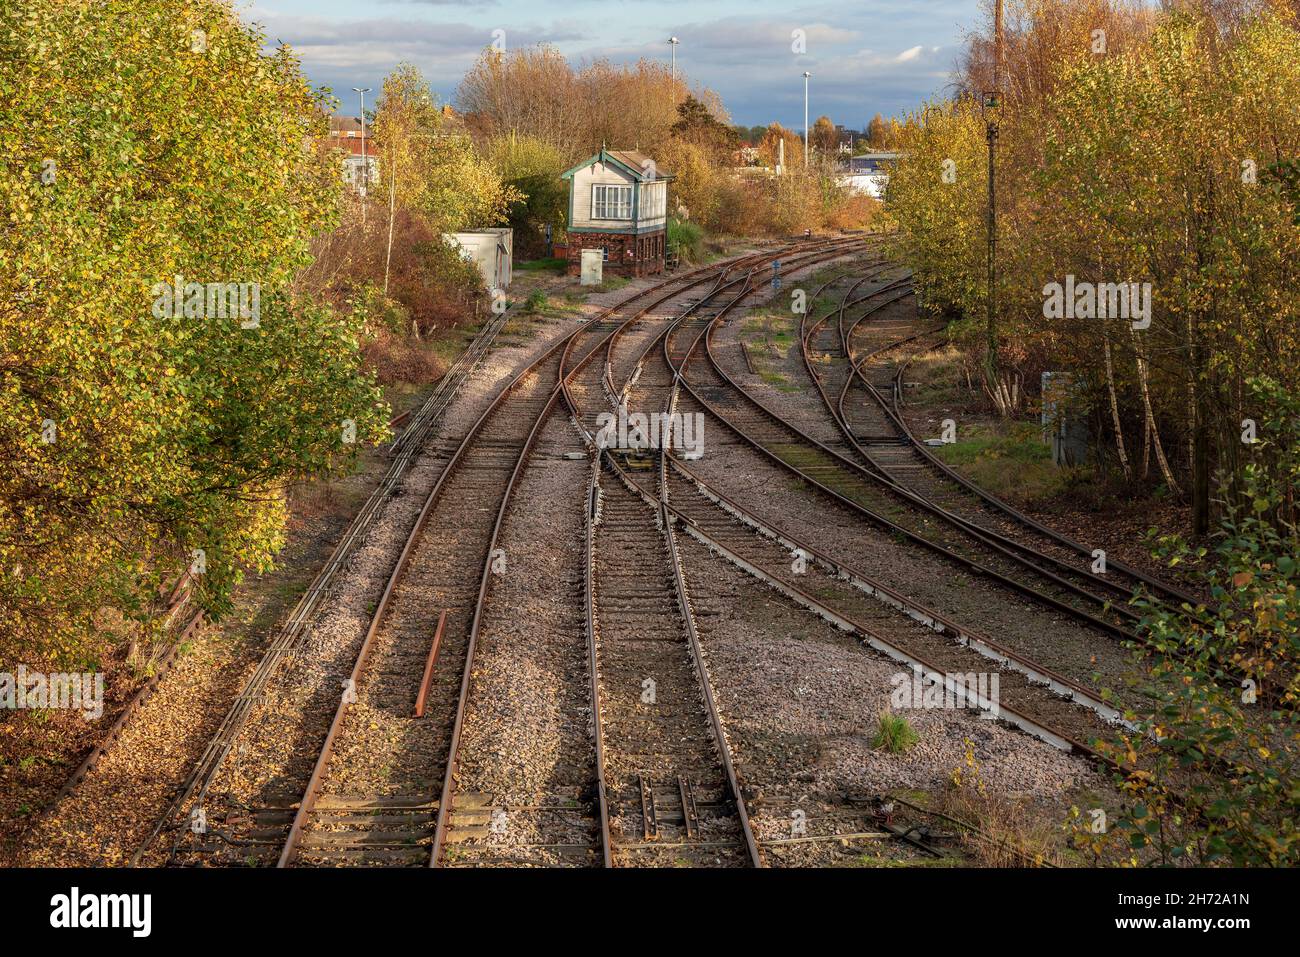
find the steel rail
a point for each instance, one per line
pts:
(982, 644)
(562, 347)
(856, 470)
(865, 633)
(602, 458)
(933, 619)
(308, 802)
(856, 374)
(593, 641)
(895, 416)
(839, 415)
(1169, 590)
(564, 373)
(1030, 725)
(1008, 548)
(1025, 722)
(285, 643)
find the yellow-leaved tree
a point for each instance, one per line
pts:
(159, 187)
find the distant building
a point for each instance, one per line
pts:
(345, 135)
(618, 203)
(868, 173)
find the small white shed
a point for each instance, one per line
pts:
(492, 250)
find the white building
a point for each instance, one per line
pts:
(492, 250)
(868, 173)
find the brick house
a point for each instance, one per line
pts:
(618, 203)
(347, 134)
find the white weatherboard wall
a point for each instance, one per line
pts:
(652, 206)
(605, 174)
(492, 250)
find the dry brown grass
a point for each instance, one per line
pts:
(1003, 832)
(401, 359)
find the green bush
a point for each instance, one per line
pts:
(893, 733)
(1211, 775)
(686, 238)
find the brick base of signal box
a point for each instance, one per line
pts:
(630, 256)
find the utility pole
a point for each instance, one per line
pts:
(806, 74)
(365, 168)
(992, 102)
(392, 208)
(672, 42)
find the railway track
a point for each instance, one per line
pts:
(463, 831)
(1031, 696)
(1063, 723)
(363, 804)
(672, 794)
(919, 638)
(854, 385)
(884, 504)
(667, 780)
(288, 640)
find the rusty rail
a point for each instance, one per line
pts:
(429, 665)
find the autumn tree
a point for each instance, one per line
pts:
(777, 134)
(437, 170)
(153, 144)
(1119, 168)
(878, 132)
(699, 127)
(531, 168)
(535, 91)
(823, 138)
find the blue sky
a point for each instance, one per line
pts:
(865, 56)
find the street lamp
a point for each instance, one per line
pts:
(806, 74)
(365, 169)
(672, 42)
(992, 102)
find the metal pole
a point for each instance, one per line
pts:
(991, 133)
(672, 43)
(365, 169)
(806, 74)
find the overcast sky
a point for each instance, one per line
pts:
(865, 55)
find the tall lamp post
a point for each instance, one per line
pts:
(365, 168)
(992, 102)
(672, 43)
(806, 74)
